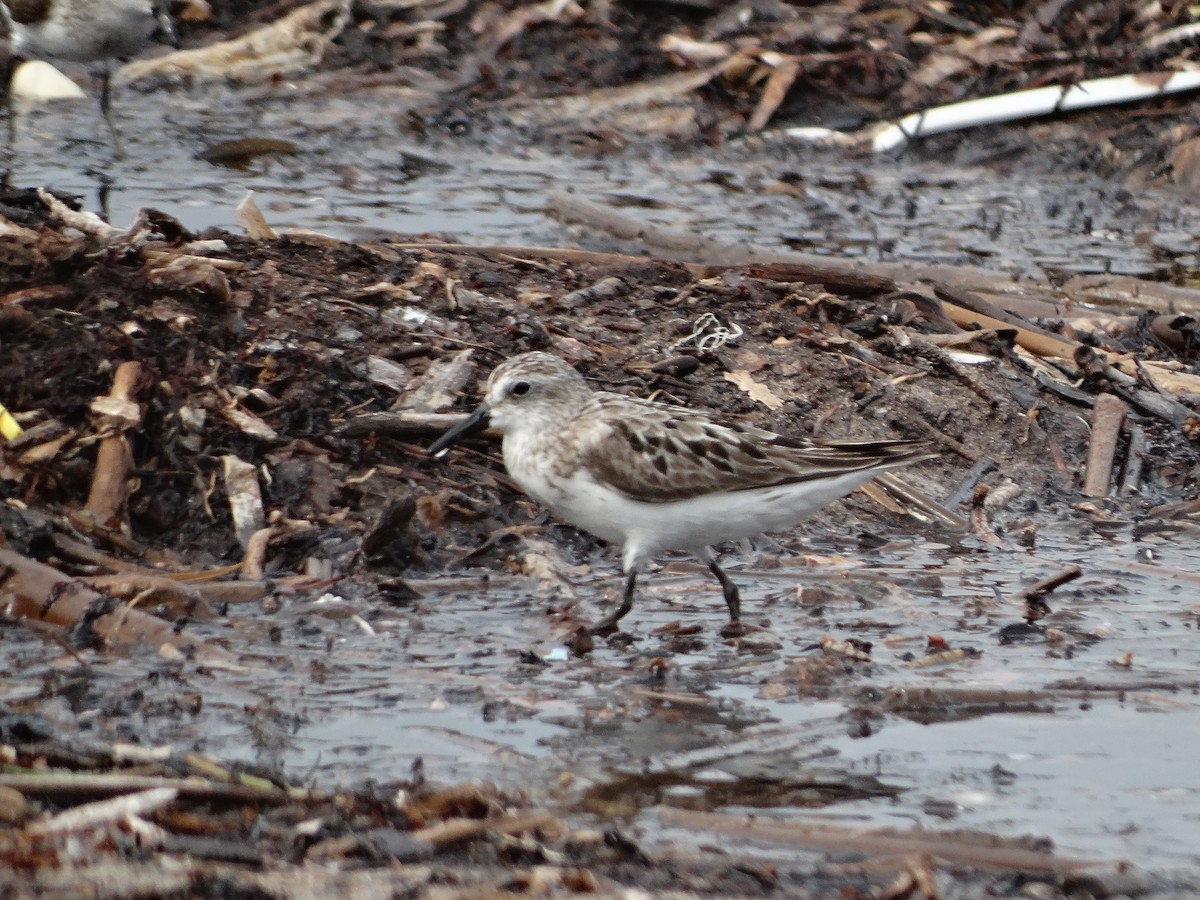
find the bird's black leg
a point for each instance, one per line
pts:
(10, 106)
(106, 109)
(732, 600)
(10, 113)
(609, 622)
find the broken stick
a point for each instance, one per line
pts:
(34, 590)
(1107, 416)
(115, 414)
(1039, 590)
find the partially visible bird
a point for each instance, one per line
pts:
(651, 477)
(92, 32)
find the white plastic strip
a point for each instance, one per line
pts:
(1035, 102)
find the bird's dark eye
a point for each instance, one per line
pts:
(521, 388)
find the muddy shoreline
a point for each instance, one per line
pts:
(425, 553)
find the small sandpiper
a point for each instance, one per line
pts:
(92, 32)
(651, 477)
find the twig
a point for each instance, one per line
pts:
(1063, 390)
(34, 590)
(56, 784)
(977, 304)
(922, 502)
(116, 413)
(71, 549)
(783, 75)
(256, 552)
(86, 223)
(606, 100)
(1111, 291)
(948, 847)
(946, 441)
(1033, 341)
(153, 589)
(967, 485)
(1135, 457)
(1175, 510)
(979, 522)
(406, 424)
(1107, 416)
(199, 585)
(1125, 386)
(852, 276)
(90, 815)
(1046, 585)
(807, 267)
(1163, 379)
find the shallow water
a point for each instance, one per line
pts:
(362, 170)
(1101, 762)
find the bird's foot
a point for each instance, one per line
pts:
(735, 630)
(580, 641)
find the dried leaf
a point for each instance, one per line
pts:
(757, 391)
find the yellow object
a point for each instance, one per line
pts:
(9, 428)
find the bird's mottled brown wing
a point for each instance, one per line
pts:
(657, 454)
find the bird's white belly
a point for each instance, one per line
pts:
(645, 529)
(120, 29)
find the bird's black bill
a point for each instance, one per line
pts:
(472, 424)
